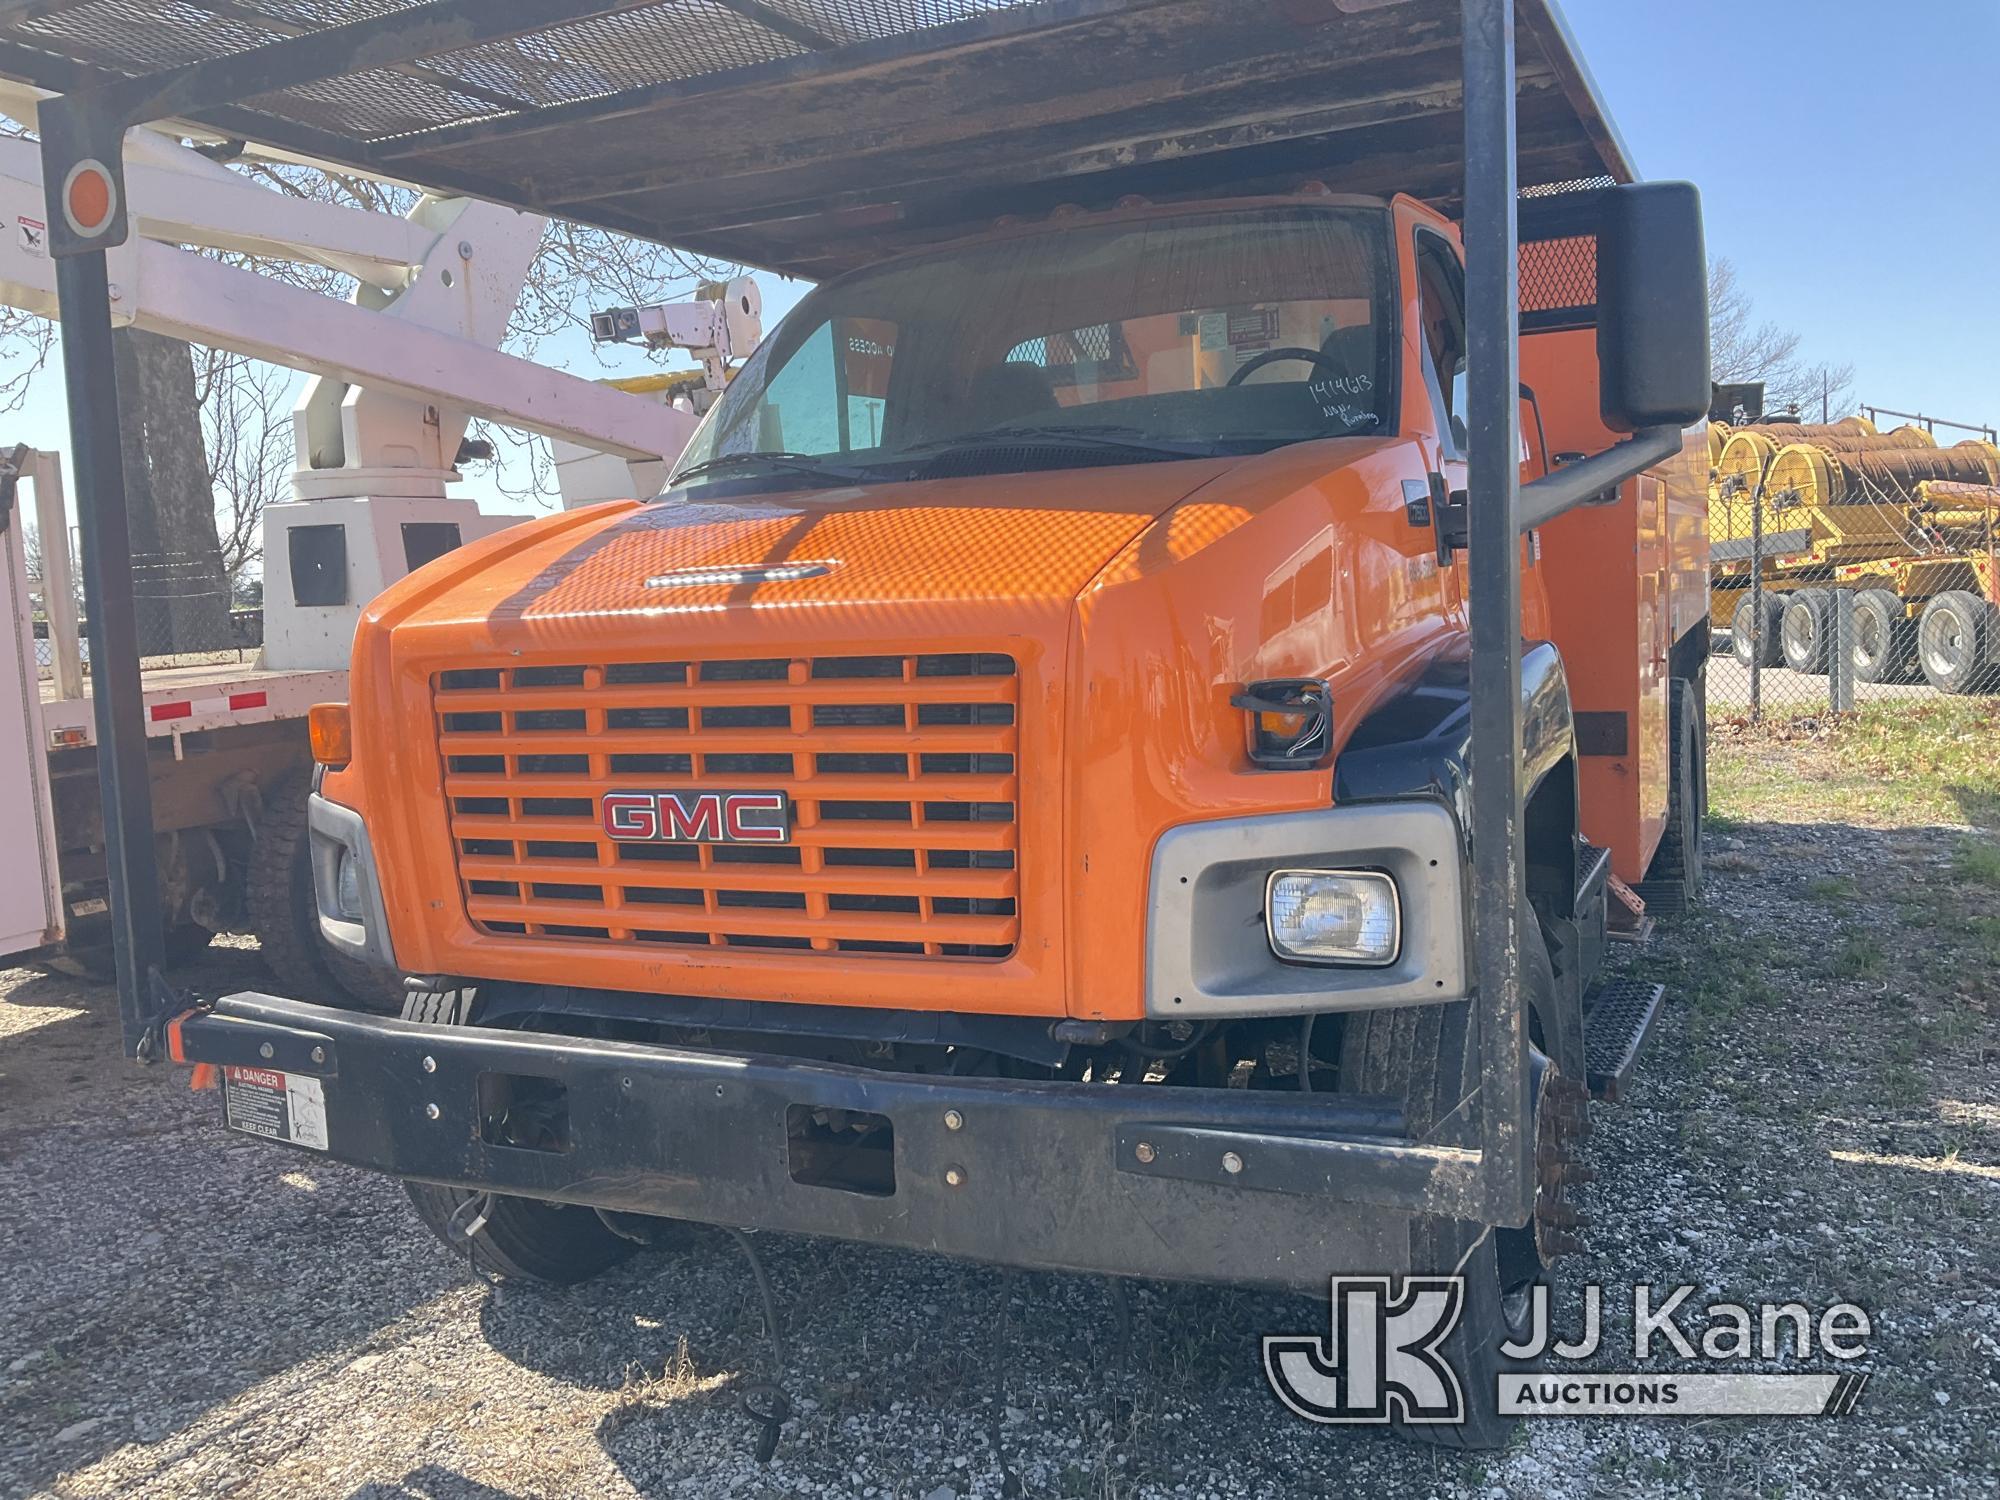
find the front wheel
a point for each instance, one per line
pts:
(284, 915)
(558, 1244)
(1428, 1057)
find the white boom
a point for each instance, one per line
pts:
(399, 367)
(165, 289)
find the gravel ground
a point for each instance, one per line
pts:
(1818, 1117)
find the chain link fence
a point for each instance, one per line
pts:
(1852, 568)
(183, 618)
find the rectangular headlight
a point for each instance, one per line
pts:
(347, 887)
(1334, 917)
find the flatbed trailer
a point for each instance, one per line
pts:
(1123, 780)
(1909, 550)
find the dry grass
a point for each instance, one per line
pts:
(1889, 765)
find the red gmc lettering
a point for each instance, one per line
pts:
(770, 831)
(703, 821)
(696, 817)
(631, 815)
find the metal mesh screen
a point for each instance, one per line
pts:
(1559, 275)
(812, 136)
(606, 54)
(623, 48)
(129, 36)
(854, 20)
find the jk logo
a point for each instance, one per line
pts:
(1382, 1362)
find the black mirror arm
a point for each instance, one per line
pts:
(1593, 479)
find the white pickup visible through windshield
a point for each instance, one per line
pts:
(1218, 331)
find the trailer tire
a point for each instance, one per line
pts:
(1955, 642)
(1427, 1056)
(1802, 631)
(1741, 632)
(278, 896)
(1883, 644)
(1676, 870)
(558, 1244)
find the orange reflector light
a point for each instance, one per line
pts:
(68, 739)
(176, 1052)
(88, 198)
(206, 1076)
(331, 733)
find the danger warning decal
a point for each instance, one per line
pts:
(278, 1106)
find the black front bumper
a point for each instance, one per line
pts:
(1257, 1188)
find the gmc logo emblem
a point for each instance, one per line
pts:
(697, 817)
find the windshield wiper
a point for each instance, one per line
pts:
(1103, 435)
(792, 463)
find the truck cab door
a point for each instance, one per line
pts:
(1441, 354)
(1441, 351)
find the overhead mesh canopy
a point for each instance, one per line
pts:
(812, 135)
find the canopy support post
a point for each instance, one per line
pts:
(83, 296)
(1493, 447)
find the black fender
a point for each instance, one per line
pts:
(1418, 743)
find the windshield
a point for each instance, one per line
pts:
(1215, 332)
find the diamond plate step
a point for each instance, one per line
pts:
(1616, 1020)
(1593, 868)
(1663, 898)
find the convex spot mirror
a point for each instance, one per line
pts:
(1652, 307)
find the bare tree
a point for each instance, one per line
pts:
(246, 426)
(183, 604)
(179, 586)
(1745, 347)
(25, 342)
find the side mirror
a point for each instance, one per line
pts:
(1652, 307)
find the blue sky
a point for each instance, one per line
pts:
(1849, 159)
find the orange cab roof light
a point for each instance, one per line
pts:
(332, 734)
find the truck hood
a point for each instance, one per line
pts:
(1032, 541)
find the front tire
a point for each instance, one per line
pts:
(557, 1244)
(523, 1239)
(284, 915)
(1428, 1057)
(278, 895)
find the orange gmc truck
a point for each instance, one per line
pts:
(1017, 791)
